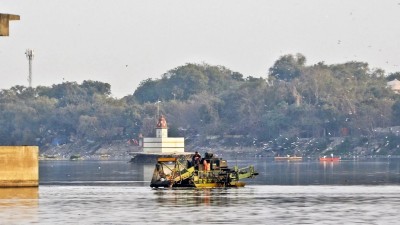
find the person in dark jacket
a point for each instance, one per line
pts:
(196, 160)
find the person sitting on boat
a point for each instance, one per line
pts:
(196, 159)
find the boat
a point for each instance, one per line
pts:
(104, 156)
(329, 159)
(48, 157)
(288, 158)
(210, 172)
(75, 157)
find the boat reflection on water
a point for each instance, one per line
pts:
(196, 197)
(329, 165)
(22, 200)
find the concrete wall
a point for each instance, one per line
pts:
(163, 145)
(19, 166)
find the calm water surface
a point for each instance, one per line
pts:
(116, 192)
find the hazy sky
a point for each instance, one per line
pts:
(122, 42)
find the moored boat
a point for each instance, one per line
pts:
(75, 157)
(288, 158)
(329, 159)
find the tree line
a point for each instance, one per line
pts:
(201, 101)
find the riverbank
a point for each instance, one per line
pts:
(112, 150)
(384, 145)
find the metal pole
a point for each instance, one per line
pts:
(158, 109)
(29, 55)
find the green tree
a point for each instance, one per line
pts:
(396, 112)
(287, 67)
(393, 76)
(147, 91)
(96, 87)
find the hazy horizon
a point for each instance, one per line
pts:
(124, 42)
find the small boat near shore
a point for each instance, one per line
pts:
(75, 157)
(329, 159)
(288, 158)
(48, 157)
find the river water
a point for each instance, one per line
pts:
(117, 192)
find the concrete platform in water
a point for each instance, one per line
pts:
(19, 166)
(142, 157)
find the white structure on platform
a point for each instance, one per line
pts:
(394, 85)
(162, 143)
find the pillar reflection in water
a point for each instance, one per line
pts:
(148, 170)
(19, 205)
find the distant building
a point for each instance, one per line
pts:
(162, 143)
(394, 85)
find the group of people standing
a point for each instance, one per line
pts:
(197, 160)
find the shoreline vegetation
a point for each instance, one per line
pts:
(119, 150)
(347, 109)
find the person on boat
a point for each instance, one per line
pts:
(196, 160)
